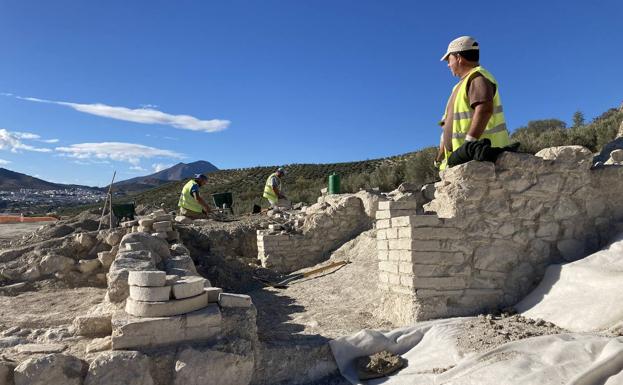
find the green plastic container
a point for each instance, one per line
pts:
(334, 184)
(223, 201)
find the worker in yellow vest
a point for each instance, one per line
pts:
(191, 204)
(273, 190)
(474, 110)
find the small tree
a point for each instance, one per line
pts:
(578, 119)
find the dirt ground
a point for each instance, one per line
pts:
(333, 304)
(9, 231)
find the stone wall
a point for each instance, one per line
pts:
(327, 225)
(494, 229)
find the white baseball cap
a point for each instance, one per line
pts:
(460, 44)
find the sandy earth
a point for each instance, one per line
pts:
(9, 231)
(333, 304)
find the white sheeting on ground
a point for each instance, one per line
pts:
(586, 295)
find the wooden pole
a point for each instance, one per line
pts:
(106, 202)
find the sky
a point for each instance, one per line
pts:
(89, 87)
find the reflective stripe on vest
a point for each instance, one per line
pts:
(495, 130)
(268, 188)
(187, 201)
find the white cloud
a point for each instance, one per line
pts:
(137, 168)
(12, 141)
(49, 140)
(122, 152)
(26, 135)
(160, 166)
(4, 162)
(141, 115)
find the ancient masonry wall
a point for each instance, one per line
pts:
(494, 229)
(328, 224)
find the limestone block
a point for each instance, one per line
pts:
(383, 224)
(119, 367)
(118, 276)
(86, 241)
(113, 238)
(400, 255)
(566, 209)
(156, 245)
(198, 367)
(426, 233)
(146, 222)
(135, 229)
(180, 272)
(53, 263)
(213, 293)
(188, 287)
(92, 325)
(162, 218)
(152, 278)
(99, 345)
(150, 294)
(6, 372)
(409, 205)
(183, 220)
(87, 266)
(135, 246)
(131, 332)
(438, 258)
(105, 258)
(40, 348)
(390, 267)
(573, 155)
(50, 369)
(142, 255)
(162, 226)
(498, 255)
(234, 300)
(571, 249)
(143, 229)
(166, 309)
(440, 283)
(184, 262)
(160, 235)
(128, 224)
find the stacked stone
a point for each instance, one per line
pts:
(496, 229)
(325, 226)
(154, 294)
(159, 224)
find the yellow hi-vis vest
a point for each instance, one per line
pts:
(268, 189)
(187, 201)
(495, 130)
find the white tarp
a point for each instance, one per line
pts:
(586, 295)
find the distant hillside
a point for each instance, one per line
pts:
(175, 173)
(11, 180)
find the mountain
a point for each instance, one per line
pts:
(11, 180)
(175, 173)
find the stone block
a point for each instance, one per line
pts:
(156, 245)
(118, 276)
(131, 332)
(162, 226)
(213, 293)
(144, 229)
(113, 238)
(398, 205)
(135, 246)
(382, 245)
(162, 235)
(150, 294)
(234, 300)
(197, 366)
(162, 218)
(92, 325)
(383, 223)
(382, 255)
(183, 220)
(390, 267)
(40, 348)
(147, 278)
(184, 262)
(400, 255)
(146, 222)
(53, 263)
(440, 283)
(429, 233)
(87, 266)
(166, 309)
(50, 369)
(99, 345)
(116, 368)
(188, 287)
(387, 214)
(392, 233)
(105, 258)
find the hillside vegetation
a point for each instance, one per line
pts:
(304, 181)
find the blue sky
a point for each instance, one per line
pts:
(90, 87)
